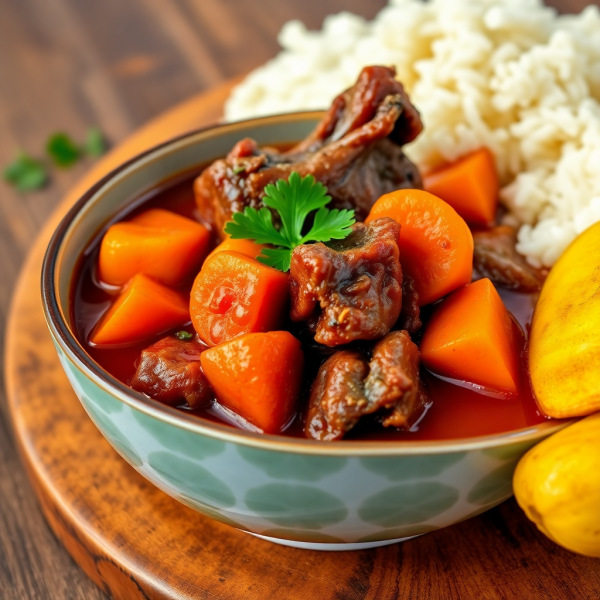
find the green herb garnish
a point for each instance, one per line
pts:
(238, 170)
(293, 200)
(62, 150)
(94, 142)
(26, 173)
(184, 335)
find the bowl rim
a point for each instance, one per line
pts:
(67, 340)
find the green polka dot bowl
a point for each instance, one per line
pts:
(303, 493)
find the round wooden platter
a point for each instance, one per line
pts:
(136, 542)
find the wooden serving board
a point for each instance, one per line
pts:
(136, 542)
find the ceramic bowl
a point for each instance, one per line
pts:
(302, 493)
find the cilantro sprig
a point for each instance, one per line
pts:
(293, 200)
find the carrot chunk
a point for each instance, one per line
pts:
(258, 376)
(158, 243)
(234, 294)
(246, 247)
(143, 309)
(470, 186)
(472, 337)
(436, 245)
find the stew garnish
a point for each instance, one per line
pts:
(293, 201)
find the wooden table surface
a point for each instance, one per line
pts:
(71, 64)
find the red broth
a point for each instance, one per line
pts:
(457, 409)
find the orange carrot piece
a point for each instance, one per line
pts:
(159, 218)
(143, 309)
(472, 337)
(258, 376)
(234, 294)
(166, 246)
(246, 247)
(469, 185)
(436, 245)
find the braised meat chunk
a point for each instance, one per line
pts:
(351, 289)
(410, 315)
(356, 151)
(394, 382)
(337, 397)
(349, 387)
(495, 257)
(169, 371)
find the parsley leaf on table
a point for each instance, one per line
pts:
(62, 149)
(293, 200)
(26, 173)
(94, 142)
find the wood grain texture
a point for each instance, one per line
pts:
(69, 64)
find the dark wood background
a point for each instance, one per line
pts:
(71, 64)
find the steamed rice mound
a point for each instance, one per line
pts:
(511, 75)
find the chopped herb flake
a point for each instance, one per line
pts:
(184, 335)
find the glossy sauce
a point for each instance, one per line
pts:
(457, 411)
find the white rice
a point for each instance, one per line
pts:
(511, 75)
